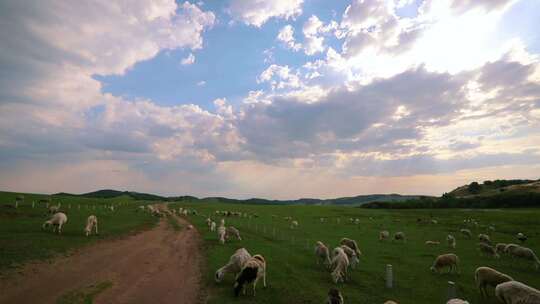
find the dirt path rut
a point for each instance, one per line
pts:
(156, 266)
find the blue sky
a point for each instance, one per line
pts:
(268, 98)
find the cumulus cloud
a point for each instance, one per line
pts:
(258, 12)
(286, 35)
(190, 59)
(279, 77)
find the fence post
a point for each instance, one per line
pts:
(451, 290)
(389, 276)
(33, 204)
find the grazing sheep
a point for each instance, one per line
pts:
(521, 237)
(57, 221)
(253, 270)
(340, 263)
(457, 301)
(466, 232)
(222, 222)
(190, 227)
(485, 276)
(526, 254)
(432, 243)
(449, 260)
(484, 238)
(515, 292)
(390, 302)
(334, 297)
(231, 231)
(400, 236)
(488, 250)
(222, 232)
(208, 222)
(351, 244)
(235, 264)
(435, 222)
(54, 209)
(213, 226)
(451, 240)
(351, 254)
(510, 248)
(356, 221)
(500, 247)
(294, 224)
(322, 253)
(383, 235)
(91, 223)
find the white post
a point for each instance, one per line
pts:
(451, 290)
(389, 276)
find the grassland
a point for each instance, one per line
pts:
(21, 237)
(293, 276)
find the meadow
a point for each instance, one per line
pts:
(23, 240)
(294, 277)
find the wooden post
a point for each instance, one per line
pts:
(389, 276)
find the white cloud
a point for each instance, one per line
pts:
(279, 77)
(257, 12)
(286, 35)
(201, 83)
(190, 59)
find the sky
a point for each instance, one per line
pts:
(277, 99)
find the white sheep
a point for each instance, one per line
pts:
(235, 264)
(383, 235)
(231, 231)
(466, 232)
(253, 270)
(488, 250)
(457, 301)
(334, 297)
(322, 253)
(510, 248)
(485, 276)
(451, 240)
(352, 244)
(91, 223)
(351, 254)
(515, 292)
(222, 232)
(213, 226)
(222, 222)
(294, 224)
(390, 302)
(58, 220)
(521, 237)
(54, 209)
(526, 254)
(449, 260)
(340, 263)
(400, 236)
(484, 238)
(500, 247)
(432, 243)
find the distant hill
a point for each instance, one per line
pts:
(108, 193)
(495, 187)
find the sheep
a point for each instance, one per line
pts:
(515, 292)
(294, 224)
(526, 254)
(235, 264)
(340, 263)
(91, 223)
(322, 219)
(222, 231)
(334, 297)
(322, 253)
(356, 221)
(231, 231)
(208, 222)
(521, 237)
(213, 226)
(400, 236)
(252, 271)
(390, 302)
(491, 228)
(383, 235)
(510, 248)
(222, 222)
(451, 240)
(499, 248)
(449, 260)
(141, 208)
(351, 254)
(435, 222)
(457, 301)
(57, 221)
(432, 243)
(466, 232)
(485, 276)
(484, 238)
(488, 250)
(54, 209)
(351, 244)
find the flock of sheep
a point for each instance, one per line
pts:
(59, 219)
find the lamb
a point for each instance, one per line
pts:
(334, 297)
(222, 231)
(294, 224)
(213, 226)
(351, 254)
(451, 240)
(351, 244)
(235, 264)
(499, 248)
(340, 263)
(466, 232)
(485, 276)
(457, 301)
(526, 254)
(400, 236)
(515, 292)
(488, 250)
(57, 221)
(383, 235)
(252, 271)
(449, 260)
(432, 243)
(484, 238)
(208, 222)
(521, 237)
(91, 223)
(322, 253)
(231, 231)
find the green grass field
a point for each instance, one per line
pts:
(21, 237)
(294, 277)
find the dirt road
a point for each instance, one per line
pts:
(156, 266)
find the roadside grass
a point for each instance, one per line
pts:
(174, 223)
(22, 239)
(85, 295)
(294, 277)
